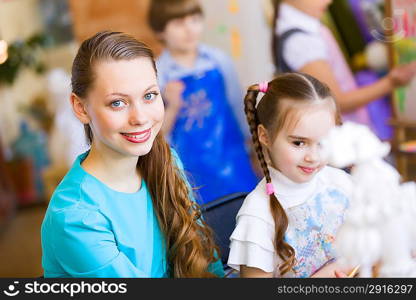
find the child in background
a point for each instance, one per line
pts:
(124, 209)
(298, 27)
(199, 85)
(286, 226)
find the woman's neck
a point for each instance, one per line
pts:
(117, 171)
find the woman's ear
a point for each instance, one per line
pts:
(78, 106)
(263, 136)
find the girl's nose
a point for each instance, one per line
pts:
(312, 155)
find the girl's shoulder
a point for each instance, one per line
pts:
(257, 204)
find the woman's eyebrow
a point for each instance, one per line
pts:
(118, 94)
(150, 87)
(126, 95)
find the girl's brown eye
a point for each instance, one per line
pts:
(298, 143)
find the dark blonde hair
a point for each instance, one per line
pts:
(163, 11)
(189, 241)
(298, 88)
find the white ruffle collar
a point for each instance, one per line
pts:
(290, 193)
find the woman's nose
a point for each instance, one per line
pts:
(137, 115)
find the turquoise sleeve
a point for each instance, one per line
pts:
(215, 267)
(85, 245)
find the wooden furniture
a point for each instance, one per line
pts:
(130, 16)
(400, 40)
(402, 131)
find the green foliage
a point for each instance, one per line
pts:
(24, 54)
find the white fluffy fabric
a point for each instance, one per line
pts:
(379, 225)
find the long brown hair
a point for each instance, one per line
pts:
(298, 88)
(189, 241)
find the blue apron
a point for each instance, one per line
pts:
(209, 141)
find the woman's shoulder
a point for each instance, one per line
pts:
(76, 188)
(76, 213)
(72, 200)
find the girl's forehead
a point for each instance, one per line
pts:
(309, 120)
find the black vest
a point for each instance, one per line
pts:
(282, 66)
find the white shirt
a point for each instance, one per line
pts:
(300, 48)
(315, 211)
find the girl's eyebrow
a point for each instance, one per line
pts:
(295, 137)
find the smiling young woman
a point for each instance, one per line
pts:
(125, 208)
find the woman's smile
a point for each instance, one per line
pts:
(138, 137)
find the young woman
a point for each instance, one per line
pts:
(125, 208)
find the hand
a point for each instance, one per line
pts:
(340, 274)
(402, 75)
(173, 94)
(332, 270)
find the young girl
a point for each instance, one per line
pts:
(124, 209)
(298, 27)
(286, 226)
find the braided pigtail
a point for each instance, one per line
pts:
(283, 249)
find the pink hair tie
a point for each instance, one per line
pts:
(263, 86)
(269, 188)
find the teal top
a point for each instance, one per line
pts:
(91, 230)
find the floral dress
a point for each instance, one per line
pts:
(315, 211)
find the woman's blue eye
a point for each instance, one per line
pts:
(150, 96)
(117, 103)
